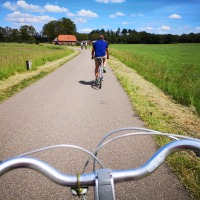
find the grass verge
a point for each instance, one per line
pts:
(16, 83)
(18, 87)
(161, 113)
(13, 56)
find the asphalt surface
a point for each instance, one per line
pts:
(64, 108)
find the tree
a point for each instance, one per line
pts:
(133, 37)
(27, 33)
(2, 35)
(94, 35)
(113, 37)
(55, 28)
(193, 38)
(68, 26)
(144, 37)
(49, 30)
(8, 32)
(197, 37)
(15, 36)
(82, 36)
(124, 31)
(118, 34)
(183, 38)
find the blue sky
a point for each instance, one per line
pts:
(153, 16)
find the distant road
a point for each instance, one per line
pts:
(63, 108)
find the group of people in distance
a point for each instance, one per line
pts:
(84, 44)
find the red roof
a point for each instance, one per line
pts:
(67, 38)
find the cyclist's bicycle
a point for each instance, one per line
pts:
(98, 82)
(103, 179)
(100, 72)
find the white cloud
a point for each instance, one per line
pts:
(110, 1)
(105, 27)
(164, 28)
(112, 16)
(21, 4)
(10, 6)
(197, 28)
(86, 13)
(117, 14)
(69, 14)
(18, 17)
(83, 13)
(174, 16)
(85, 30)
(137, 15)
(185, 27)
(52, 8)
(80, 20)
(125, 23)
(148, 28)
(29, 7)
(82, 16)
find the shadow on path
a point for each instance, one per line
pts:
(91, 83)
(86, 82)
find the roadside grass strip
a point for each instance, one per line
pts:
(160, 112)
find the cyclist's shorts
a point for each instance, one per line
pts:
(96, 59)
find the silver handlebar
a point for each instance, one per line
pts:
(89, 179)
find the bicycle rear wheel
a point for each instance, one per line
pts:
(100, 85)
(100, 76)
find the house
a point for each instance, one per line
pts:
(65, 39)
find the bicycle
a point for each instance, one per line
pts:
(104, 179)
(100, 73)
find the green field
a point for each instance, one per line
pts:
(174, 68)
(13, 56)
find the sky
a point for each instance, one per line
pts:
(153, 16)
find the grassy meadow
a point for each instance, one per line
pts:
(13, 57)
(174, 68)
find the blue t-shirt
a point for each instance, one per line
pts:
(100, 47)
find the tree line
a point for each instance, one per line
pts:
(129, 36)
(28, 34)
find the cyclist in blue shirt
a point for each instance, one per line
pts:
(100, 49)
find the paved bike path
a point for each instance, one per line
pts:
(63, 108)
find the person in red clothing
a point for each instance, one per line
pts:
(100, 49)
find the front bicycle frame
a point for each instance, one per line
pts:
(100, 72)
